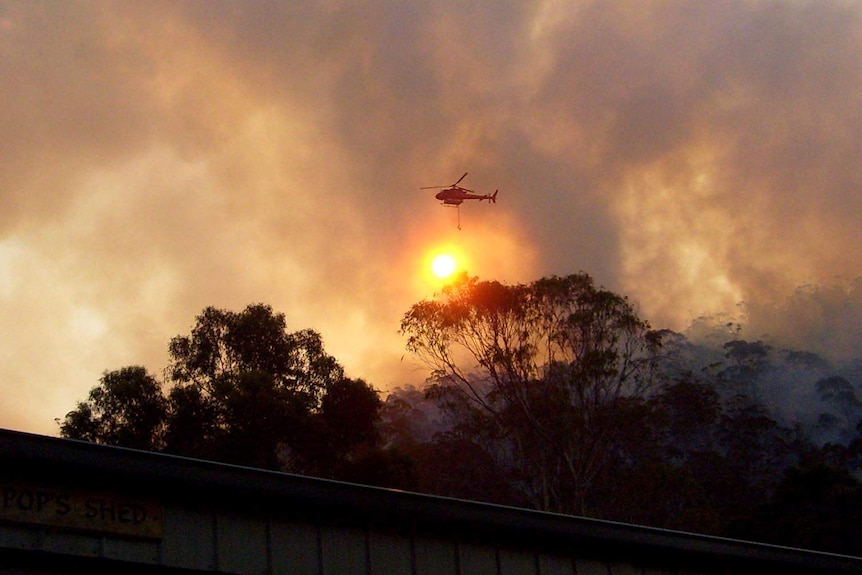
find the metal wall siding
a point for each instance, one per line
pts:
(389, 554)
(18, 537)
(189, 539)
(72, 543)
(623, 569)
(344, 551)
(435, 556)
(131, 550)
(517, 563)
(556, 565)
(591, 567)
(229, 542)
(294, 548)
(242, 545)
(477, 560)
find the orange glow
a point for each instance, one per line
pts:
(441, 263)
(444, 265)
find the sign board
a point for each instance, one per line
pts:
(94, 511)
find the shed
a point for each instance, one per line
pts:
(72, 507)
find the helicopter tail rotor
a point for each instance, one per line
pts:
(494, 197)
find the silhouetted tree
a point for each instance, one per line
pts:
(224, 345)
(552, 395)
(815, 506)
(685, 418)
(745, 363)
(540, 368)
(247, 388)
(244, 390)
(341, 430)
(127, 409)
(838, 394)
(191, 427)
(350, 410)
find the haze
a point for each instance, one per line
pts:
(156, 158)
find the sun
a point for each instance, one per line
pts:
(443, 266)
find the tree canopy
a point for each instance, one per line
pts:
(127, 408)
(240, 388)
(554, 395)
(545, 370)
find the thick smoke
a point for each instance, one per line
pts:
(158, 158)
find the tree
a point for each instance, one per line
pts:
(815, 506)
(127, 408)
(246, 388)
(224, 345)
(687, 412)
(340, 430)
(542, 369)
(839, 394)
(746, 362)
(191, 428)
(350, 410)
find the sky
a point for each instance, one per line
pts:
(156, 158)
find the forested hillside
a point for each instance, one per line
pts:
(554, 395)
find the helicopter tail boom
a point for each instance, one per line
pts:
(492, 198)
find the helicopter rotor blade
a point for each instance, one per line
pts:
(455, 185)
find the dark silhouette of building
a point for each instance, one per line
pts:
(76, 507)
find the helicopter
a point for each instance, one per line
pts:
(453, 196)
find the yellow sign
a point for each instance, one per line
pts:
(107, 513)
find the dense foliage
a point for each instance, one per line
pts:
(729, 437)
(538, 375)
(553, 395)
(241, 389)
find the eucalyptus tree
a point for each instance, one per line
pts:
(543, 374)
